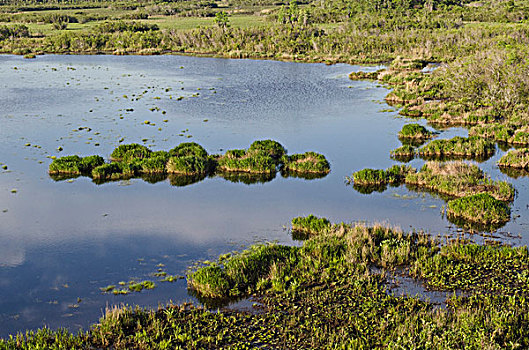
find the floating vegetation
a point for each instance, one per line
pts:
(480, 208)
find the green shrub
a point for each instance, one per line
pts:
(480, 208)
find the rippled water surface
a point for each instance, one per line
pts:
(62, 241)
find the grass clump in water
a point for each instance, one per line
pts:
(188, 165)
(404, 152)
(481, 208)
(246, 161)
(518, 158)
(308, 162)
(414, 131)
(130, 152)
(75, 165)
(304, 226)
(394, 175)
(268, 147)
(458, 146)
(459, 179)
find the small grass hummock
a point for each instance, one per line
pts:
(394, 175)
(269, 147)
(75, 165)
(404, 152)
(308, 162)
(415, 131)
(245, 161)
(480, 208)
(459, 147)
(189, 165)
(130, 152)
(187, 149)
(518, 158)
(305, 226)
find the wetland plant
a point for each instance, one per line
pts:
(394, 175)
(308, 162)
(189, 165)
(268, 147)
(309, 225)
(518, 158)
(415, 131)
(75, 165)
(130, 152)
(458, 146)
(480, 208)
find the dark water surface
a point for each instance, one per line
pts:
(61, 241)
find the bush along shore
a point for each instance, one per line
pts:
(332, 292)
(191, 162)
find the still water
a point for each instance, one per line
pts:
(62, 241)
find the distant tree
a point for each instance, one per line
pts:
(222, 19)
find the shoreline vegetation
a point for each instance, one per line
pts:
(450, 63)
(322, 293)
(190, 162)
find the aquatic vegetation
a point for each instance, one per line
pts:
(497, 132)
(459, 179)
(188, 165)
(393, 175)
(130, 152)
(309, 225)
(308, 162)
(270, 148)
(518, 158)
(189, 149)
(364, 75)
(458, 146)
(75, 165)
(414, 131)
(114, 171)
(481, 208)
(404, 151)
(251, 162)
(139, 286)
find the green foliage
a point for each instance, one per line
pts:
(308, 162)
(257, 162)
(403, 151)
(518, 158)
(188, 149)
(310, 225)
(130, 152)
(414, 131)
(114, 171)
(481, 208)
(222, 19)
(120, 26)
(394, 175)
(458, 146)
(75, 164)
(188, 165)
(497, 132)
(268, 147)
(13, 31)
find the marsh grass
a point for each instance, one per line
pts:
(308, 162)
(458, 146)
(309, 225)
(130, 152)
(481, 208)
(518, 158)
(75, 165)
(414, 131)
(394, 175)
(405, 152)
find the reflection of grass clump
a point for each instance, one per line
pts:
(127, 153)
(246, 178)
(481, 208)
(310, 224)
(458, 146)
(308, 162)
(75, 165)
(518, 158)
(414, 131)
